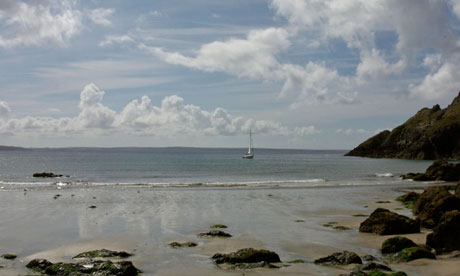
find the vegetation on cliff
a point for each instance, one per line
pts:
(432, 133)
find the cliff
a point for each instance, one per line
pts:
(432, 133)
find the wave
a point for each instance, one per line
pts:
(262, 183)
(384, 175)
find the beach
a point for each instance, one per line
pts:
(144, 220)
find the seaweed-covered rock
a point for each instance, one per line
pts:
(408, 199)
(219, 226)
(446, 235)
(99, 268)
(385, 222)
(215, 233)
(247, 255)
(46, 175)
(183, 244)
(432, 133)
(39, 264)
(375, 266)
(433, 203)
(8, 256)
(412, 253)
(103, 253)
(341, 258)
(396, 244)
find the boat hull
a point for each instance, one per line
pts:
(248, 156)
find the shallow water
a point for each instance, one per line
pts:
(147, 198)
(164, 167)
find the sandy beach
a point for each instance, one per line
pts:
(143, 221)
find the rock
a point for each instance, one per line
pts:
(432, 133)
(219, 226)
(457, 190)
(375, 266)
(8, 256)
(215, 233)
(433, 203)
(100, 268)
(297, 261)
(184, 244)
(408, 199)
(341, 258)
(412, 253)
(396, 244)
(39, 264)
(103, 253)
(247, 255)
(46, 175)
(369, 258)
(385, 222)
(446, 235)
(439, 170)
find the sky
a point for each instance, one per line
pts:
(309, 74)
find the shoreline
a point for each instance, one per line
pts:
(301, 234)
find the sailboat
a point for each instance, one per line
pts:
(250, 153)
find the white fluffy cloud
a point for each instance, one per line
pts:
(172, 117)
(26, 23)
(253, 57)
(418, 25)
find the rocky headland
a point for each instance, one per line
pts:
(432, 133)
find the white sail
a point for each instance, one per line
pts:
(250, 153)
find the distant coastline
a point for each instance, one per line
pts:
(171, 149)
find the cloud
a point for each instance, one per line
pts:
(253, 57)
(306, 131)
(112, 39)
(311, 83)
(34, 24)
(443, 82)
(373, 65)
(172, 117)
(99, 16)
(4, 110)
(350, 131)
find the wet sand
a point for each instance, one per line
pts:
(144, 220)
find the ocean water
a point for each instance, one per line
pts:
(198, 167)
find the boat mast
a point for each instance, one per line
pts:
(250, 141)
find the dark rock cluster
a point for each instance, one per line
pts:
(439, 170)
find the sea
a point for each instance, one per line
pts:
(179, 167)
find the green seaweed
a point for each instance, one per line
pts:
(219, 226)
(297, 261)
(8, 256)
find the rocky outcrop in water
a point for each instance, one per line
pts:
(46, 175)
(439, 170)
(385, 222)
(432, 133)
